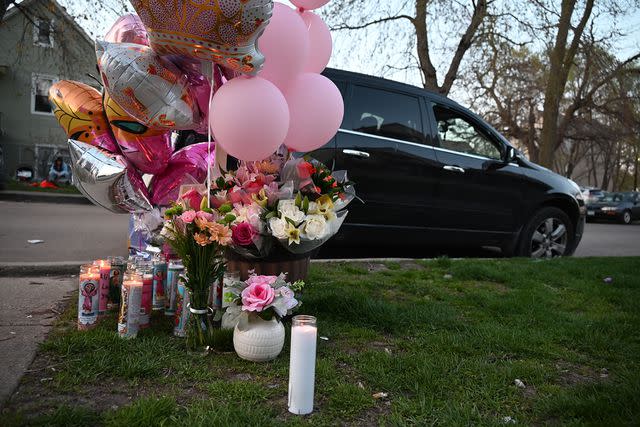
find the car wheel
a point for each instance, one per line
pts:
(626, 217)
(548, 234)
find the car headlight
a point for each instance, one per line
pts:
(609, 209)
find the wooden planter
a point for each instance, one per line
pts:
(296, 268)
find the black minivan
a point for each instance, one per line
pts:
(431, 173)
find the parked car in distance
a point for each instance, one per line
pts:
(432, 173)
(592, 195)
(622, 207)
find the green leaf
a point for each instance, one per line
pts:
(298, 199)
(305, 204)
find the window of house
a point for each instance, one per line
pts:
(43, 32)
(459, 133)
(388, 114)
(40, 85)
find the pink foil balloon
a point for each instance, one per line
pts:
(198, 86)
(128, 29)
(147, 149)
(285, 44)
(249, 117)
(309, 4)
(187, 166)
(320, 43)
(316, 110)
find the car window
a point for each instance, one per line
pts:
(383, 113)
(458, 133)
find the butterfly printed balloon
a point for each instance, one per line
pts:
(78, 109)
(147, 149)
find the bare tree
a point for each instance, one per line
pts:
(424, 19)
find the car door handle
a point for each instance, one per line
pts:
(356, 153)
(450, 168)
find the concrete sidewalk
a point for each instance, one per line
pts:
(28, 308)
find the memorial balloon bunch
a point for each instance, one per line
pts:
(245, 72)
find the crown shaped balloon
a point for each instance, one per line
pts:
(222, 31)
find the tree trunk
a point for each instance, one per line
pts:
(560, 62)
(636, 160)
(531, 135)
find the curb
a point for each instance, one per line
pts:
(42, 197)
(24, 269)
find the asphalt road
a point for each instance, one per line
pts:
(73, 232)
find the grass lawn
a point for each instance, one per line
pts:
(12, 185)
(444, 339)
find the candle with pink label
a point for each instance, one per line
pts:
(104, 267)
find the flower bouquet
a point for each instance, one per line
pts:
(199, 235)
(282, 206)
(258, 304)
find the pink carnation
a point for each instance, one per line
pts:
(257, 296)
(206, 216)
(188, 216)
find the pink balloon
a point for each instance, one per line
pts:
(198, 86)
(309, 4)
(187, 166)
(249, 117)
(128, 29)
(285, 44)
(320, 43)
(316, 109)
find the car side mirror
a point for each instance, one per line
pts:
(510, 155)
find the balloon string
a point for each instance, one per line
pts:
(213, 68)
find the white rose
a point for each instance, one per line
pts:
(278, 227)
(288, 208)
(315, 227)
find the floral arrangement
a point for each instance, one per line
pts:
(298, 203)
(199, 235)
(264, 296)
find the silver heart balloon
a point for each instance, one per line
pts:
(107, 180)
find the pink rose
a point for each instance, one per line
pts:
(192, 198)
(257, 296)
(261, 280)
(242, 234)
(188, 216)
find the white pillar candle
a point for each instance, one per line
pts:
(302, 365)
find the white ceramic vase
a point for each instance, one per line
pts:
(258, 340)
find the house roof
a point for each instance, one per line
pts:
(13, 10)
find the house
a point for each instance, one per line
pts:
(40, 43)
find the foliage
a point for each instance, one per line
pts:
(445, 339)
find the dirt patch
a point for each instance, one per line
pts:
(571, 375)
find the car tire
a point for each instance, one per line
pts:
(626, 217)
(548, 234)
